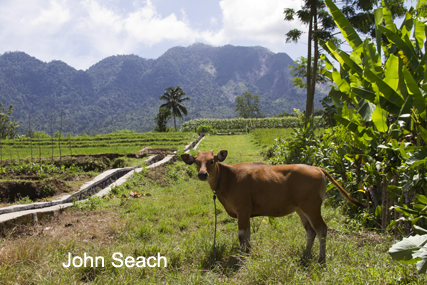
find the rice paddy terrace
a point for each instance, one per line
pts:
(123, 142)
(39, 168)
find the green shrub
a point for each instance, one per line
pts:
(204, 129)
(86, 164)
(240, 123)
(119, 162)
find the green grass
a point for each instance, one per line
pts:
(266, 137)
(240, 148)
(177, 220)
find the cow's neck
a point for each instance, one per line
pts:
(215, 181)
(222, 192)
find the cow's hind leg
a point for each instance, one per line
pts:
(311, 234)
(244, 224)
(315, 218)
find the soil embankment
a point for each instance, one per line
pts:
(31, 181)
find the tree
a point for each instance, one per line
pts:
(360, 13)
(247, 106)
(321, 27)
(299, 72)
(174, 98)
(162, 119)
(8, 125)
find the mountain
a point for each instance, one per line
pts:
(122, 91)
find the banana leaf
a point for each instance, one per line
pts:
(379, 117)
(336, 96)
(421, 73)
(419, 34)
(408, 49)
(378, 14)
(407, 24)
(389, 93)
(366, 110)
(392, 73)
(388, 19)
(388, 106)
(347, 123)
(372, 59)
(342, 83)
(365, 94)
(419, 157)
(344, 25)
(344, 59)
(411, 249)
(406, 109)
(423, 133)
(403, 250)
(413, 89)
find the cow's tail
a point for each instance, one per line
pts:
(343, 192)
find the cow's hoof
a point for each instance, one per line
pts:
(322, 261)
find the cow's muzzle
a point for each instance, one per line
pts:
(202, 176)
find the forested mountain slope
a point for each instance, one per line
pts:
(123, 91)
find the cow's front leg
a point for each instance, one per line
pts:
(243, 221)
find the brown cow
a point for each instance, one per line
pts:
(253, 189)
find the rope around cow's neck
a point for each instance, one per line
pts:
(214, 199)
(213, 248)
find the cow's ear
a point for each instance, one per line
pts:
(222, 155)
(187, 158)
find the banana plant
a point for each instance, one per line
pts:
(383, 102)
(380, 101)
(412, 249)
(376, 89)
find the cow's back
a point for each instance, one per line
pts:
(273, 190)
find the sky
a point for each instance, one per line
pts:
(83, 32)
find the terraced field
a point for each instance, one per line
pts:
(123, 142)
(36, 169)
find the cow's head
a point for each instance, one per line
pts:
(205, 161)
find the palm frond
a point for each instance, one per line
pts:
(174, 98)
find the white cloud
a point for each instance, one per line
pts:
(55, 14)
(102, 18)
(253, 20)
(82, 32)
(20, 17)
(82, 29)
(148, 27)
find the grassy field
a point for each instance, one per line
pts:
(176, 220)
(120, 143)
(265, 137)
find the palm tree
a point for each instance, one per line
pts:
(174, 98)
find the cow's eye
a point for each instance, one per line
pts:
(212, 161)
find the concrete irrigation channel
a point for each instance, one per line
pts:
(99, 186)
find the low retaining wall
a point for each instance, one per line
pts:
(96, 185)
(88, 189)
